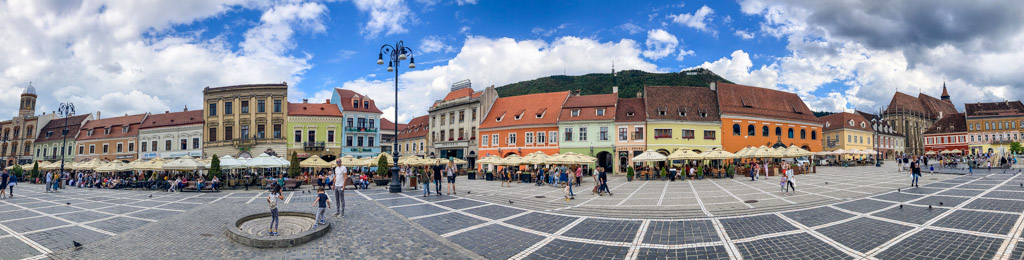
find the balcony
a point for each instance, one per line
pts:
(51, 157)
(313, 146)
(363, 130)
(244, 142)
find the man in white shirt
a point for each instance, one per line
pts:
(340, 175)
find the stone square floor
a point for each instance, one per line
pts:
(837, 213)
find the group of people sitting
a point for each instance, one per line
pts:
(179, 184)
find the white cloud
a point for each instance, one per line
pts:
(698, 20)
(388, 16)
(744, 34)
(547, 32)
(737, 68)
(506, 61)
(127, 58)
(466, 2)
(660, 44)
(433, 43)
(631, 28)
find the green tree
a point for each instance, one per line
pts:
(1016, 148)
(293, 169)
(35, 169)
(215, 167)
(382, 167)
(17, 171)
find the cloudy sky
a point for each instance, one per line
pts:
(150, 56)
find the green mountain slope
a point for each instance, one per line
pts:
(629, 82)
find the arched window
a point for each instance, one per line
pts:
(814, 135)
(778, 131)
(790, 133)
(764, 130)
(736, 129)
(750, 130)
(803, 134)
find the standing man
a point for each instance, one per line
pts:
(49, 178)
(437, 178)
(915, 172)
(340, 175)
(603, 178)
(4, 178)
(450, 171)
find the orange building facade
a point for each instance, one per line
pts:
(752, 117)
(522, 125)
(804, 135)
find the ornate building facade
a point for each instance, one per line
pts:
(245, 120)
(454, 121)
(912, 116)
(17, 135)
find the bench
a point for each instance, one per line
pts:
(289, 184)
(191, 185)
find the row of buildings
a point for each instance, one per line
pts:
(246, 120)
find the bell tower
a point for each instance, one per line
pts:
(945, 94)
(28, 102)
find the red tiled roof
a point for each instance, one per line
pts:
(937, 106)
(529, 107)
(681, 103)
(630, 110)
(74, 123)
(459, 93)
(1005, 108)
(173, 119)
(477, 94)
(954, 123)
(313, 109)
(115, 124)
(417, 127)
(387, 125)
(923, 105)
(762, 102)
(346, 97)
(588, 106)
(842, 120)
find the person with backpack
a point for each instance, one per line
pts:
(273, 199)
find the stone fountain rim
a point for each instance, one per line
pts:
(235, 234)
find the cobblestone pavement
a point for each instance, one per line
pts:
(859, 214)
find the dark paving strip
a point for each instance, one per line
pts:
(57, 239)
(864, 234)
(26, 225)
(946, 201)
(680, 232)
(460, 203)
(962, 192)
(397, 202)
(495, 241)
(911, 214)
(494, 211)
(710, 252)
(796, 246)
(897, 196)
(817, 216)
(17, 214)
(418, 210)
(561, 249)
(987, 222)
(936, 244)
(542, 222)
(118, 225)
(864, 205)
(745, 227)
(997, 205)
(445, 223)
(606, 230)
(15, 249)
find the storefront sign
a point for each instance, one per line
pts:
(125, 156)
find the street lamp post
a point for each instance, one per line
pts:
(66, 110)
(396, 54)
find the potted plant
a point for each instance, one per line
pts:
(629, 173)
(489, 176)
(663, 174)
(471, 174)
(383, 172)
(700, 172)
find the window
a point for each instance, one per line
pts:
(89, 133)
(92, 149)
(986, 126)
(348, 141)
(369, 141)
(686, 134)
(494, 139)
(600, 112)
(540, 137)
(184, 144)
(750, 130)
(261, 106)
(355, 103)
(348, 123)
(298, 136)
(623, 135)
(442, 119)
(790, 133)
(312, 136)
(803, 134)
(361, 123)
(849, 138)
(245, 107)
(662, 133)
(131, 147)
(245, 132)
(972, 138)
(638, 133)
(778, 131)
(228, 133)
(583, 133)
(442, 135)
(372, 123)
(144, 146)
(330, 136)
(511, 139)
(260, 131)
(709, 134)
(529, 138)
(603, 134)
(483, 140)
(106, 148)
(814, 135)
(462, 133)
(195, 143)
(970, 127)
(277, 106)
(155, 147)
(574, 112)
(106, 131)
(366, 104)
(736, 129)
(227, 108)
(124, 129)
(764, 131)
(167, 145)
(568, 134)
(472, 131)
(451, 134)
(474, 114)
(462, 116)
(213, 109)
(277, 130)
(451, 118)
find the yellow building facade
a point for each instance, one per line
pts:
(846, 131)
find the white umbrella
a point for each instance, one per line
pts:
(227, 162)
(186, 163)
(263, 161)
(717, 154)
(684, 154)
(650, 156)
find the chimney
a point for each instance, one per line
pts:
(577, 92)
(639, 94)
(328, 101)
(167, 111)
(97, 115)
(615, 89)
(186, 108)
(305, 100)
(714, 85)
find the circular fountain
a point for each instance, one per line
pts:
(295, 228)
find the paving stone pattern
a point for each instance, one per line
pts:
(863, 234)
(680, 232)
(936, 244)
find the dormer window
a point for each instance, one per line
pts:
(106, 131)
(49, 133)
(681, 112)
(600, 112)
(574, 113)
(541, 114)
(366, 104)
(661, 111)
(828, 124)
(124, 129)
(520, 115)
(499, 118)
(630, 114)
(355, 103)
(862, 125)
(90, 132)
(851, 122)
(703, 114)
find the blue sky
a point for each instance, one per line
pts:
(135, 57)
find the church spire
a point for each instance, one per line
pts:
(945, 93)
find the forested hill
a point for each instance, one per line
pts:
(629, 82)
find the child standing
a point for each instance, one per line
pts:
(272, 200)
(322, 203)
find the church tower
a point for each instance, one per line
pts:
(945, 94)
(28, 102)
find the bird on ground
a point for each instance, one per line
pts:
(469, 192)
(150, 195)
(897, 190)
(76, 244)
(69, 203)
(509, 201)
(901, 206)
(826, 183)
(929, 207)
(940, 203)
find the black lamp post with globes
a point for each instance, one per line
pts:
(396, 54)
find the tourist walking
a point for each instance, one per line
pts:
(790, 180)
(915, 172)
(4, 178)
(49, 178)
(340, 175)
(274, 197)
(602, 177)
(425, 179)
(321, 204)
(449, 170)
(10, 185)
(437, 179)
(579, 175)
